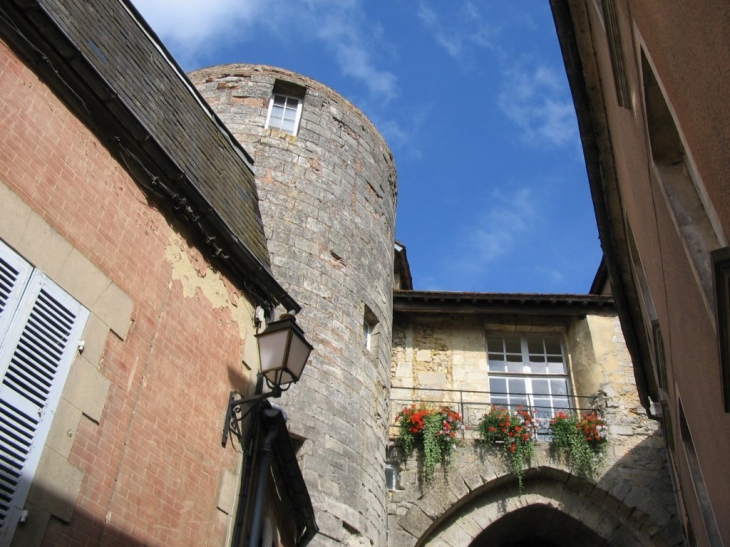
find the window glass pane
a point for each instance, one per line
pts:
(290, 114)
(559, 387)
(390, 475)
(516, 402)
(534, 346)
(497, 366)
(556, 368)
(517, 385)
(543, 403)
(515, 367)
(514, 358)
(277, 112)
(540, 387)
(279, 100)
(498, 385)
(552, 346)
(513, 345)
(560, 403)
(288, 126)
(494, 343)
(500, 401)
(543, 408)
(538, 368)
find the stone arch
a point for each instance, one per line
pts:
(565, 517)
(474, 502)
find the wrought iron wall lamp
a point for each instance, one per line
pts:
(283, 351)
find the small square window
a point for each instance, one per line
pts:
(285, 107)
(284, 113)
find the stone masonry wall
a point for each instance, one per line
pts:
(632, 495)
(133, 456)
(328, 200)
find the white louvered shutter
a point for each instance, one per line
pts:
(14, 274)
(36, 354)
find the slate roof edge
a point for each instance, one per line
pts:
(42, 42)
(186, 81)
(503, 303)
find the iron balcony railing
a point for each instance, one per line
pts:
(472, 405)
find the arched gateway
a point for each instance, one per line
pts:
(478, 504)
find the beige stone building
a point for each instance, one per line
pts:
(547, 353)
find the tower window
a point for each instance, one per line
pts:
(285, 107)
(284, 113)
(370, 329)
(391, 475)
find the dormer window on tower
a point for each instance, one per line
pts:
(285, 107)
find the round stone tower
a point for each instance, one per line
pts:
(327, 187)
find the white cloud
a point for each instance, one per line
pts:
(464, 28)
(536, 101)
(190, 23)
(499, 229)
(192, 28)
(401, 129)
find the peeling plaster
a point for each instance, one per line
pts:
(197, 277)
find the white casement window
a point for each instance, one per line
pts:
(40, 328)
(284, 113)
(528, 370)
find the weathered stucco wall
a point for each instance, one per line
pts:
(631, 500)
(328, 202)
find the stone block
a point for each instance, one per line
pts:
(415, 522)
(86, 389)
(63, 429)
(229, 484)
(624, 430)
(44, 247)
(82, 279)
(423, 356)
(14, 215)
(94, 337)
(56, 485)
(455, 535)
(114, 307)
(432, 379)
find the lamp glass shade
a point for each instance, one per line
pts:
(272, 350)
(283, 351)
(299, 351)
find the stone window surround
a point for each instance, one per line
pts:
(57, 481)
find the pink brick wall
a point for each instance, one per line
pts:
(153, 463)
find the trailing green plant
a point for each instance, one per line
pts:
(580, 441)
(513, 434)
(434, 428)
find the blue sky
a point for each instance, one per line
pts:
(473, 100)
